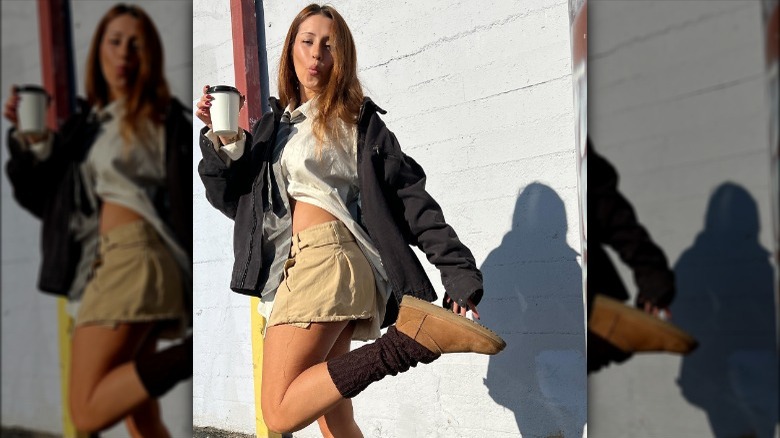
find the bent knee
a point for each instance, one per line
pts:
(273, 416)
(89, 418)
(279, 421)
(276, 422)
(85, 421)
(274, 419)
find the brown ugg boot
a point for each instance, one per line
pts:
(442, 331)
(633, 330)
(422, 333)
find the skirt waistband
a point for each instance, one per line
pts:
(133, 232)
(323, 234)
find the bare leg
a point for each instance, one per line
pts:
(297, 388)
(145, 420)
(340, 421)
(104, 384)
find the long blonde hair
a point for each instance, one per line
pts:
(342, 96)
(149, 96)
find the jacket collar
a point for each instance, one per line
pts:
(366, 108)
(265, 129)
(276, 106)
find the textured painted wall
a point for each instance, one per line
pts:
(678, 104)
(30, 373)
(480, 95)
(29, 319)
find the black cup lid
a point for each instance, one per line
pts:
(35, 88)
(222, 89)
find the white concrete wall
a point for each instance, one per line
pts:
(31, 395)
(29, 319)
(678, 105)
(480, 94)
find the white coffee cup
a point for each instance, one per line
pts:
(31, 112)
(224, 110)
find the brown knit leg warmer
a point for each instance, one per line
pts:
(161, 371)
(391, 354)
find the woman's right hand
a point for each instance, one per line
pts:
(204, 111)
(204, 107)
(11, 109)
(11, 112)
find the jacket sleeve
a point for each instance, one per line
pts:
(34, 181)
(614, 223)
(427, 228)
(174, 205)
(224, 182)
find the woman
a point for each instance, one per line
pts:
(325, 205)
(119, 168)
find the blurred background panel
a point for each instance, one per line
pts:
(31, 334)
(679, 104)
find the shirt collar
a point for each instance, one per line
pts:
(110, 111)
(303, 112)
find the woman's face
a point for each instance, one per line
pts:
(119, 59)
(311, 55)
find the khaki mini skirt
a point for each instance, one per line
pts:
(327, 278)
(135, 278)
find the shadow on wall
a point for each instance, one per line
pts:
(535, 287)
(725, 299)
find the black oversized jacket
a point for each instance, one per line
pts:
(396, 211)
(47, 189)
(612, 222)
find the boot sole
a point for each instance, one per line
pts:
(611, 318)
(441, 313)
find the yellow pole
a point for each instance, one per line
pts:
(258, 325)
(65, 323)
